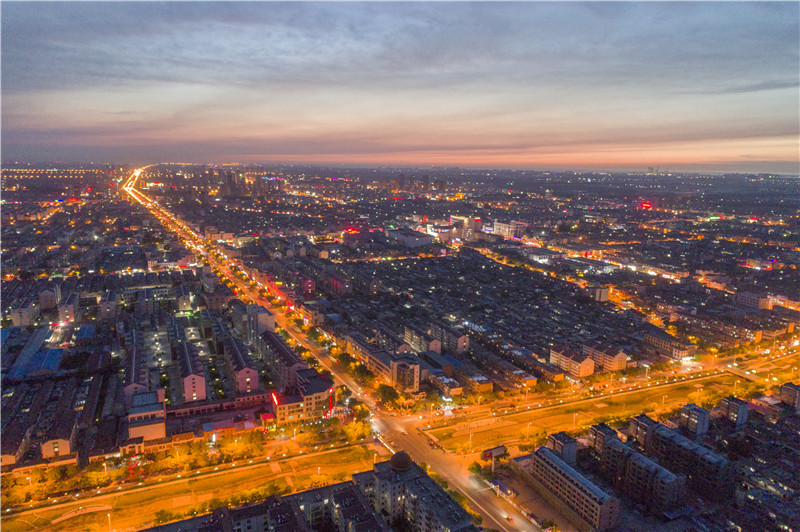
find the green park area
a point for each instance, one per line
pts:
(155, 503)
(532, 426)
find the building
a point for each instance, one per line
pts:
(565, 445)
(735, 410)
(451, 340)
(183, 298)
(606, 357)
(667, 344)
(580, 500)
(754, 301)
(447, 385)
(147, 417)
(401, 370)
(695, 420)
(600, 434)
(192, 374)
(473, 380)
(790, 395)
(402, 492)
(259, 321)
(546, 371)
(283, 363)
(465, 226)
(640, 428)
(598, 293)
(509, 230)
(108, 305)
(638, 477)
(311, 399)
(410, 239)
(137, 375)
(240, 366)
(576, 364)
(707, 472)
(419, 340)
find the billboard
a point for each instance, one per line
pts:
(494, 452)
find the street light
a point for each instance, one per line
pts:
(109, 522)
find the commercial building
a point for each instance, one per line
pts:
(147, 417)
(311, 399)
(410, 239)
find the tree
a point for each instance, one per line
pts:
(387, 394)
(356, 430)
(164, 516)
(343, 392)
(360, 410)
(475, 467)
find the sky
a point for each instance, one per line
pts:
(623, 85)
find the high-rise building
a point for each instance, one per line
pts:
(638, 477)
(707, 472)
(790, 395)
(735, 410)
(694, 420)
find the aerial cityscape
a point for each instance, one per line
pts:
(400, 266)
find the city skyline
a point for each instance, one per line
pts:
(699, 87)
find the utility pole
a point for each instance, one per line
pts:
(528, 432)
(470, 442)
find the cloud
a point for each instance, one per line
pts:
(394, 77)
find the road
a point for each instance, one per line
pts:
(400, 430)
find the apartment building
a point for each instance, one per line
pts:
(586, 505)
